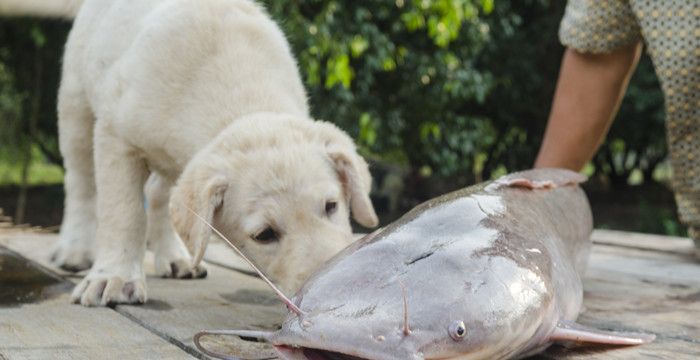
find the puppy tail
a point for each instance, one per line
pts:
(66, 9)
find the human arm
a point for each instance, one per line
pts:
(588, 95)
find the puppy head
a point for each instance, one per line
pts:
(282, 193)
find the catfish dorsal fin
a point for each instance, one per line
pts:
(406, 328)
(572, 331)
(295, 309)
(538, 179)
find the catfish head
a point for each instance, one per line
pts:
(379, 300)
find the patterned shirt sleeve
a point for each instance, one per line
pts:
(598, 26)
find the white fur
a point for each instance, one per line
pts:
(206, 95)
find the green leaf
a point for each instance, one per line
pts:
(339, 71)
(487, 6)
(413, 20)
(368, 130)
(388, 64)
(37, 36)
(358, 45)
(428, 130)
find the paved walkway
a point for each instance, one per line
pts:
(635, 282)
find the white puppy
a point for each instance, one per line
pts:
(206, 96)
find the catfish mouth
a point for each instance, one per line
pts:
(316, 354)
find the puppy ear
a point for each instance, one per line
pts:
(203, 195)
(357, 182)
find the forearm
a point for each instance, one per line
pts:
(588, 94)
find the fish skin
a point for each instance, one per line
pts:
(506, 260)
(502, 261)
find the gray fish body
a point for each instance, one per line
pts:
(488, 272)
(506, 261)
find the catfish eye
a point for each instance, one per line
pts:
(266, 236)
(457, 330)
(331, 207)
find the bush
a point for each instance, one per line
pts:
(456, 89)
(398, 75)
(30, 57)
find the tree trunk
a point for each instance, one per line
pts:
(21, 208)
(35, 107)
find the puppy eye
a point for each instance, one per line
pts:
(266, 236)
(331, 207)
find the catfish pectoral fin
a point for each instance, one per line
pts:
(572, 331)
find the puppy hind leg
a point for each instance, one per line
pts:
(172, 260)
(74, 249)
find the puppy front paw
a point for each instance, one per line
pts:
(73, 256)
(180, 269)
(101, 289)
(172, 260)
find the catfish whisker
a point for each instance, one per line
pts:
(290, 305)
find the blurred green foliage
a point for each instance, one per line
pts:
(30, 56)
(451, 88)
(407, 78)
(458, 89)
(40, 172)
(455, 91)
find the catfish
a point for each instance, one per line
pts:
(492, 271)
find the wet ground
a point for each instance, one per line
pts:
(23, 281)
